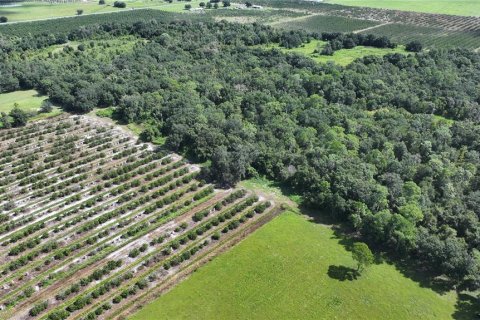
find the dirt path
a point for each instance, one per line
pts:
(370, 28)
(280, 21)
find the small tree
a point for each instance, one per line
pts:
(5, 121)
(414, 46)
(3, 19)
(209, 5)
(202, 4)
(362, 255)
(188, 6)
(46, 106)
(119, 4)
(248, 4)
(101, 2)
(19, 116)
(79, 12)
(215, 6)
(226, 3)
(327, 50)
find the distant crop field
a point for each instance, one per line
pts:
(457, 7)
(322, 23)
(97, 220)
(430, 37)
(293, 268)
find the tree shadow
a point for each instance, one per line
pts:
(342, 273)
(467, 307)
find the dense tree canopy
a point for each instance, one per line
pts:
(390, 144)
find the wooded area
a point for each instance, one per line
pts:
(390, 144)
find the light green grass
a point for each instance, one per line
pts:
(28, 100)
(458, 7)
(36, 10)
(281, 272)
(342, 57)
(55, 112)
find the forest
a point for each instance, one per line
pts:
(390, 145)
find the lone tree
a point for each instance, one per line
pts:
(188, 6)
(79, 12)
(119, 4)
(3, 19)
(362, 255)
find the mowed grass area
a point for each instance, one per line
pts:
(282, 272)
(457, 7)
(36, 10)
(342, 57)
(28, 100)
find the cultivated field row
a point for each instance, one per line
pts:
(93, 221)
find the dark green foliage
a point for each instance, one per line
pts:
(119, 4)
(414, 46)
(38, 308)
(19, 117)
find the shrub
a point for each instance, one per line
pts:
(38, 308)
(3, 19)
(414, 46)
(119, 4)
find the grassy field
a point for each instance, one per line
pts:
(342, 57)
(36, 11)
(292, 269)
(458, 7)
(29, 100)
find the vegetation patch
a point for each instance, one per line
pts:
(324, 23)
(341, 57)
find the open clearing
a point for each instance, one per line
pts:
(28, 100)
(458, 7)
(93, 220)
(342, 57)
(293, 268)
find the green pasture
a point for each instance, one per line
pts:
(457, 7)
(42, 10)
(295, 268)
(28, 100)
